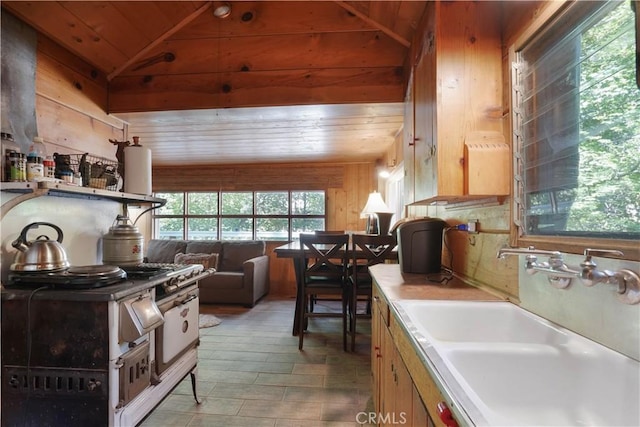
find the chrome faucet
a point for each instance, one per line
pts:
(590, 275)
(559, 273)
(626, 281)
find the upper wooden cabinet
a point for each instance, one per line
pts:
(454, 104)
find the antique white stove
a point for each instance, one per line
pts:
(86, 354)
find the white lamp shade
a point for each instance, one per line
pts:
(375, 204)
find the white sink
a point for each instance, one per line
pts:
(506, 366)
(474, 321)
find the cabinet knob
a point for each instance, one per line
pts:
(444, 413)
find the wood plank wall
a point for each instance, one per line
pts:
(71, 103)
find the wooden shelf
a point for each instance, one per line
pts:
(29, 190)
(462, 201)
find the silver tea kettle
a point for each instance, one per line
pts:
(41, 254)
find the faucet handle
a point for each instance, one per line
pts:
(588, 253)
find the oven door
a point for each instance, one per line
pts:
(179, 332)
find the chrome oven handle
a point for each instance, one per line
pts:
(189, 297)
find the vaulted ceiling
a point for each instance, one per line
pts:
(248, 87)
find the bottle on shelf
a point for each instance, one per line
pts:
(49, 167)
(14, 173)
(35, 168)
(38, 149)
(8, 146)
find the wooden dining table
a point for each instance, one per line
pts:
(292, 250)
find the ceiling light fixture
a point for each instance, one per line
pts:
(222, 11)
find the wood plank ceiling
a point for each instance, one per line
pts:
(275, 81)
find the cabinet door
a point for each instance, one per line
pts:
(420, 416)
(376, 352)
(425, 162)
(425, 96)
(409, 144)
(403, 409)
(388, 398)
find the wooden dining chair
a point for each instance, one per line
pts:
(324, 274)
(313, 299)
(366, 250)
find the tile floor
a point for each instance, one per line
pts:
(250, 372)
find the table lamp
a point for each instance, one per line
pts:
(378, 215)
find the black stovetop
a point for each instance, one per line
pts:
(123, 288)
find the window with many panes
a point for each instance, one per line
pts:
(239, 215)
(577, 126)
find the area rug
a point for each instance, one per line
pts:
(209, 320)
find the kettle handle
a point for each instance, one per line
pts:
(22, 240)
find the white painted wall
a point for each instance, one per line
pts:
(83, 223)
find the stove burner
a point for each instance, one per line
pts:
(74, 277)
(142, 271)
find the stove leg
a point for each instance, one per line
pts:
(193, 387)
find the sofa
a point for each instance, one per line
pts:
(242, 267)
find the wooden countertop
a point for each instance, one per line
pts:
(397, 285)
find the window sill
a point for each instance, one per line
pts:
(577, 245)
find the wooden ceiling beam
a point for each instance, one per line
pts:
(180, 25)
(395, 36)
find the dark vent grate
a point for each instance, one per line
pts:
(47, 381)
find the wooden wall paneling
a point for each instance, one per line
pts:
(337, 215)
(272, 18)
(71, 97)
(364, 182)
(68, 131)
(248, 177)
(255, 45)
(258, 53)
(53, 16)
(281, 273)
(72, 85)
(114, 22)
(343, 202)
(255, 88)
(522, 19)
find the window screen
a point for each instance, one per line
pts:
(577, 126)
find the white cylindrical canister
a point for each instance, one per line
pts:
(137, 169)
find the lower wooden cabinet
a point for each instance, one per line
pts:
(397, 401)
(399, 398)
(420, 415)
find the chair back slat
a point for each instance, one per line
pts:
(328, 255)
(370, 249)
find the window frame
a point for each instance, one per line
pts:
(253, 216)
(567, 244)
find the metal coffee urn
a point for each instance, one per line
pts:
(420, 245)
